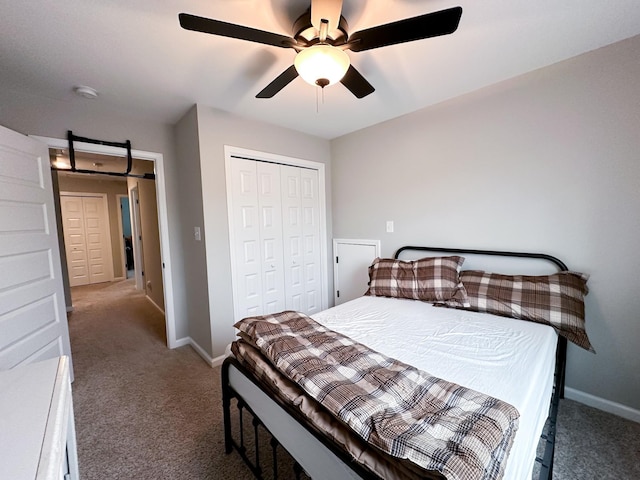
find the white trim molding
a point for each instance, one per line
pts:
(212, 362)
(603, 404)
(154, 304)
(163, 218)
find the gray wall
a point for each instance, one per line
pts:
(217, 129)
(150, 231)
(193, 284)
(545, 162)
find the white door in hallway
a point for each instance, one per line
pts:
(33, 320)
(86, 234)
(74, 240)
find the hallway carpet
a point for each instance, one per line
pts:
(143, 411)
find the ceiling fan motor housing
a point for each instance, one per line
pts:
(306, 34)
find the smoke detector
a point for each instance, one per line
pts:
(86, 92)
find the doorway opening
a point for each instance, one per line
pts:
(93, 227)
(124, 223)
(155, 275)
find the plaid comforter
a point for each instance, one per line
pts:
(403, 411)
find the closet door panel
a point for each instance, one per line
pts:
(246, 226)
(270, 205)
(96, 225)
(310, 205)
(293, 238)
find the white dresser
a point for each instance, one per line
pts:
(37, 431)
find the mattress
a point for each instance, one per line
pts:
(509, 359)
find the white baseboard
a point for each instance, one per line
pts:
(181, 342)
(603, 404)
(218, 360)
(154, 304)
(70, 309)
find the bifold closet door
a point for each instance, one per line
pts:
(301, 239)
(86, 230)
(257, 224)
(75, 240)
(276, 234)
(270, 211)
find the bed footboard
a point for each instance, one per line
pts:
(322, 458)
(250, 449)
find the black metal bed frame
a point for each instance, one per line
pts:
(255, 465)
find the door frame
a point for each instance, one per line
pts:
(136, 234)
(123, 250)
(229, 153)
(105, 205)
(163, 219)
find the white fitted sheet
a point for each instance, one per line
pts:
(512, 360)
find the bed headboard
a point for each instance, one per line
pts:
(511, 263)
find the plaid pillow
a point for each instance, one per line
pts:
(556, 300)
(434, 279)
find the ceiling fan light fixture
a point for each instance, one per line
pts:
(322, 64)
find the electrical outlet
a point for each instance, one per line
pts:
(196, 234)
(389, 226)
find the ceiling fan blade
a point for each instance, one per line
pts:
(433, 24)
(330, 10)
(281, 81)
(356, 83)
(224, 29)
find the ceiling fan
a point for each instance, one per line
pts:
(321, 38)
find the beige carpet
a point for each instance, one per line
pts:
(143, 411)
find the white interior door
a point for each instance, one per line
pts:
(98, 235)
(87, 236)
(75, 240)
(352, 259)
(33, 321)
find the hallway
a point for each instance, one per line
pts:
(141, 410)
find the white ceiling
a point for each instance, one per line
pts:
(143, 64)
